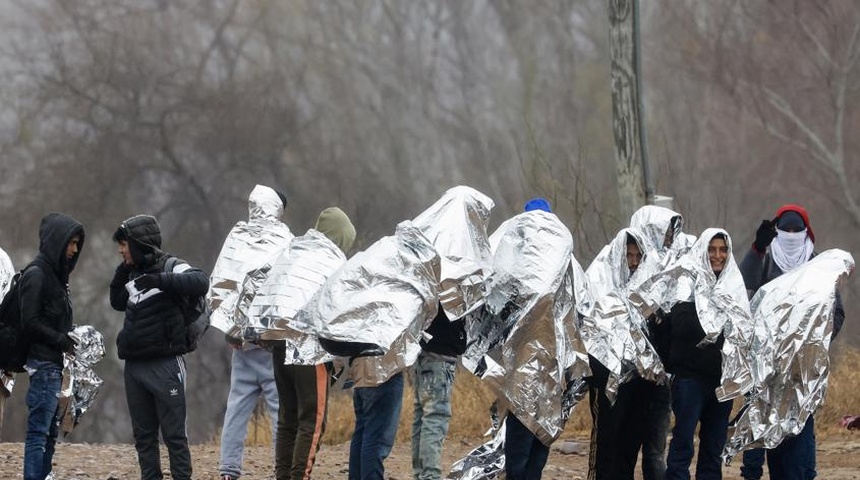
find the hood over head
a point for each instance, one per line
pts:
(264, 203)
(143, 235)
(55, 232)
(654, 222)
(609, 270)
(784, 217)
(336, 226)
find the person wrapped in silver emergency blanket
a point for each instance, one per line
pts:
(456, 224)
(302, 368)
(242, 264)
(249, 246)
(373, 310)
(663, 235)
(703, 338)
(793, 317)
(662, 230)
(525, 342)
(377, 304)
(625, 365)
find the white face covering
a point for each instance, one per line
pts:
(791, 249)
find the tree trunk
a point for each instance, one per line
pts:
(626, 106)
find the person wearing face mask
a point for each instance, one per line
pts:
(780, 246)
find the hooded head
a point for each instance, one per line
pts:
(264, 203)
(55, 233)
(794, 242)
(793, 218)
(660, 225)
(143, 235)
(537, 203)
(334, 224)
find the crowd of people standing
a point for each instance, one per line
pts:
(631, 409)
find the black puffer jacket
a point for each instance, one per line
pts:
(154, 325)
(45, 303)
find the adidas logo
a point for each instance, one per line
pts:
(174, 392)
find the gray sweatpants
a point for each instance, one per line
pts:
(251, 375)
(155, 391)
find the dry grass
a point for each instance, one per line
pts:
(842, 393)
(472, 401)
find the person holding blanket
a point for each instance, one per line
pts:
(705, 298)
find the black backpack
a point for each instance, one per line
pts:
(13, 343)
(195, 310)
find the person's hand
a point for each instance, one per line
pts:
(764, 235)
(122, 271)
(66, 343)
(145, 282)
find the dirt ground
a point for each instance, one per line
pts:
(838, 459)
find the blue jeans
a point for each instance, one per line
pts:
(42, 419)
(525, 454)
(377, 411)
(792, 459)
(433, 383)
(694, 402)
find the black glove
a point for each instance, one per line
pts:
(764, 235)
(122, 272)
(66, 343)
(150, 280)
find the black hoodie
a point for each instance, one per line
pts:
(45, 303)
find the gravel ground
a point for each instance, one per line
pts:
(838, 459)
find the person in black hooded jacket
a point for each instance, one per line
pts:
(152, 342)
(47, 320)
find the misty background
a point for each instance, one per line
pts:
(177, 109)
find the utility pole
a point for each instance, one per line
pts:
(635, 186)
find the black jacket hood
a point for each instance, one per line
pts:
(55, 232)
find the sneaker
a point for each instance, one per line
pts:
(228, 477)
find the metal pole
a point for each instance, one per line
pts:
(640, 104)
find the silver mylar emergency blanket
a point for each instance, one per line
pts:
(80, 382)
(525, 342)
(484, 462)
(793, 317)
(248, 248)
(7, 271)
(294, 277)
(614, 332)
(721, 304)
(456, 225)
(384, 296)
(654, 222)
